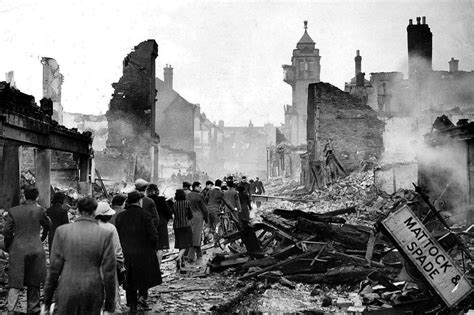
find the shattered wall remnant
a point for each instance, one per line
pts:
(131, 111)
(52, 84)
(10, 78)
(340, 121)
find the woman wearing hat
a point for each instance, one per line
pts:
(103, 214)
(182, 226)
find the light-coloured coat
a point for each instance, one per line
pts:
(83, 262)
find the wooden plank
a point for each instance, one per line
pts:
(280, 264)
(427, 255)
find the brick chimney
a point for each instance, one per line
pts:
(453, 65)
(358, 63)
(168, 77)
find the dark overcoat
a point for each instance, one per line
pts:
(139, 237)
(165, 214)
(199, 209)
(82, 268)
(58, 216)
(27, 263)
(150, 207)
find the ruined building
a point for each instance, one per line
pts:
(305, 68)
(446, 167)
(408, 106)
(426, 90)
(31, 142)
(132, 143)
(189, 141)
(343, 133)
(245, 148)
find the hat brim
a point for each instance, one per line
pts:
(135, 198)
(108, 212)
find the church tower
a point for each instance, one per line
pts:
(304, 70)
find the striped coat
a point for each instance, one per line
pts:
(182, 214)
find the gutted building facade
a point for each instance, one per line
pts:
(342, 133)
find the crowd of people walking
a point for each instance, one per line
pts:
(112, 245)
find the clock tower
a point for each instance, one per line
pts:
(304, 70)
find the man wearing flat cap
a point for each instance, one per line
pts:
(139, 239)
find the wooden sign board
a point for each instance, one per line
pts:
(431, 260)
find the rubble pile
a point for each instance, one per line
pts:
(332, 238)
(356, 190)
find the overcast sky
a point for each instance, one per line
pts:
(227, 55)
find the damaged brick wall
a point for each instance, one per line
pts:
(351, 128)
(131, 127)
(130, 110)
(64, 168)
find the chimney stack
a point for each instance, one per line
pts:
(423, 20)
(168, 77)
(358, 62)
(410, 22)
(420, 47)
(453, 65)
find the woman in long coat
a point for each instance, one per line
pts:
(182, 226)
(199, 209)
(165, 214)
(83, 263)
(139, 239)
